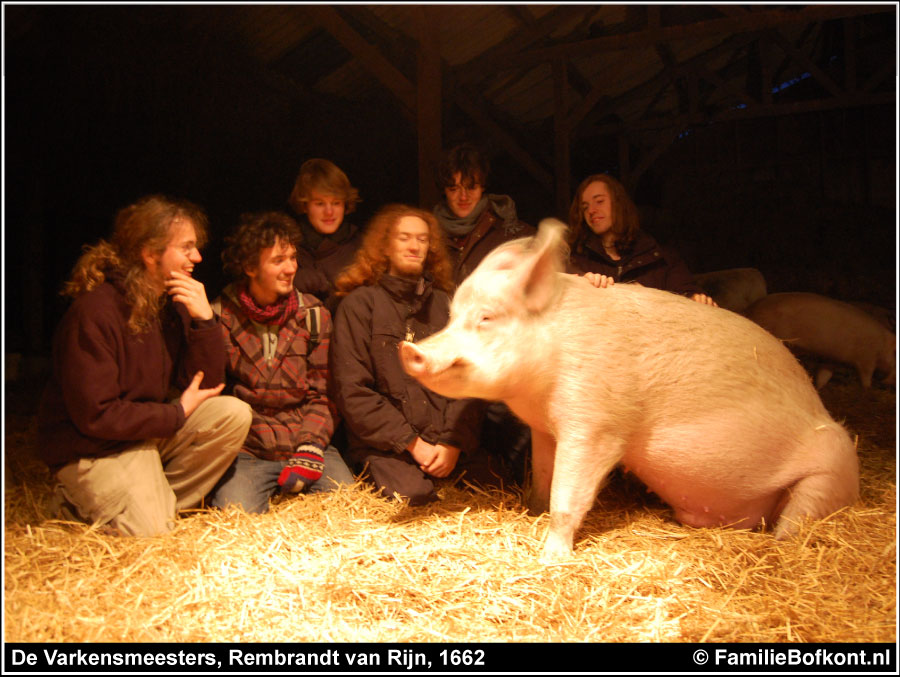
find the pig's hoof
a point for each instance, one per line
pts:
(556, 551)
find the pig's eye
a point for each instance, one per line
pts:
(485, 319)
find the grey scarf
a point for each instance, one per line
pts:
(502, 205)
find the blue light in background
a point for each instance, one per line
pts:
(790, 83)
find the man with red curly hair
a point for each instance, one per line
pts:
(397, 289)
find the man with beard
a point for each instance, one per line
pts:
(396, 290)
(126, 448)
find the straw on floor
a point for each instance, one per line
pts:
(350, 566)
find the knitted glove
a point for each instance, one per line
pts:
(303, 469)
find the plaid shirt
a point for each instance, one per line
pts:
(287, 391)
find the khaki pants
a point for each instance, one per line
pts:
(138, 490)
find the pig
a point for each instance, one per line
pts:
(733, 289)
(886, 316)
(829, 329)
(709, 410)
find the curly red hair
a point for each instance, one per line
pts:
(371, 260)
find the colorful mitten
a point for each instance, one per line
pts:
(303, 469)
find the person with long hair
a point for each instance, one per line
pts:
(276, 348)
(321, 198)
(397, 289)
(474, 221)
(606, 239)
(124, 451)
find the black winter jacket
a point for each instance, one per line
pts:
(382, 406)
(648, 263)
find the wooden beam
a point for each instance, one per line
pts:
(673, 72)
(468, 102)
(477, 67)
(805, 62)
(473, 105)
(429, 102)
(682, 122)
(723, 85)
(765, 72)
(662, 79)
(624, 161)
(654, 20)
(885, 72)
(649, 157)
(561, 142)
(850, 79)
(747, 22)
(369, 56)
(520, 15)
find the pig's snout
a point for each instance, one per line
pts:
(441, 373)
(413, 359)
(418, 362)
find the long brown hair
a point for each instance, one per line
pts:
(146, 224)
(372, 262)
(625, 215)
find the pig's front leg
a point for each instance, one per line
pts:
(581, 465)
(543, 451)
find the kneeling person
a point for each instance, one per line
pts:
(397, 289)
(124, 451)
(276, 345)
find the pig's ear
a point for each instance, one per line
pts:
(538, 273)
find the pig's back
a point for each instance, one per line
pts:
(681, 354)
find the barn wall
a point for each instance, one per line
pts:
(97, 118)
(808, 199)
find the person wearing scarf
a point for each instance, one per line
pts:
(273, 364)
(474, 221)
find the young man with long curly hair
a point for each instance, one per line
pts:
(131, 422)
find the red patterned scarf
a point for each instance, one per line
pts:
(276, 313)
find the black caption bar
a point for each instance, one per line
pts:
(450, 657)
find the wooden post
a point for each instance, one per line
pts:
(428, 103)
(562, 157)
(624, 161)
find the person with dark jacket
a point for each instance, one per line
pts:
(397, 289)
(473, 221)
(614, 245)
(322, 196)
(131, 422)
(276, 351)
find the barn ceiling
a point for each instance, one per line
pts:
(542, 79)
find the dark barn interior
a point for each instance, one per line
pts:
(749, 135)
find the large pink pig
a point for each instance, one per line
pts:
(708, 409)
(829, 329)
